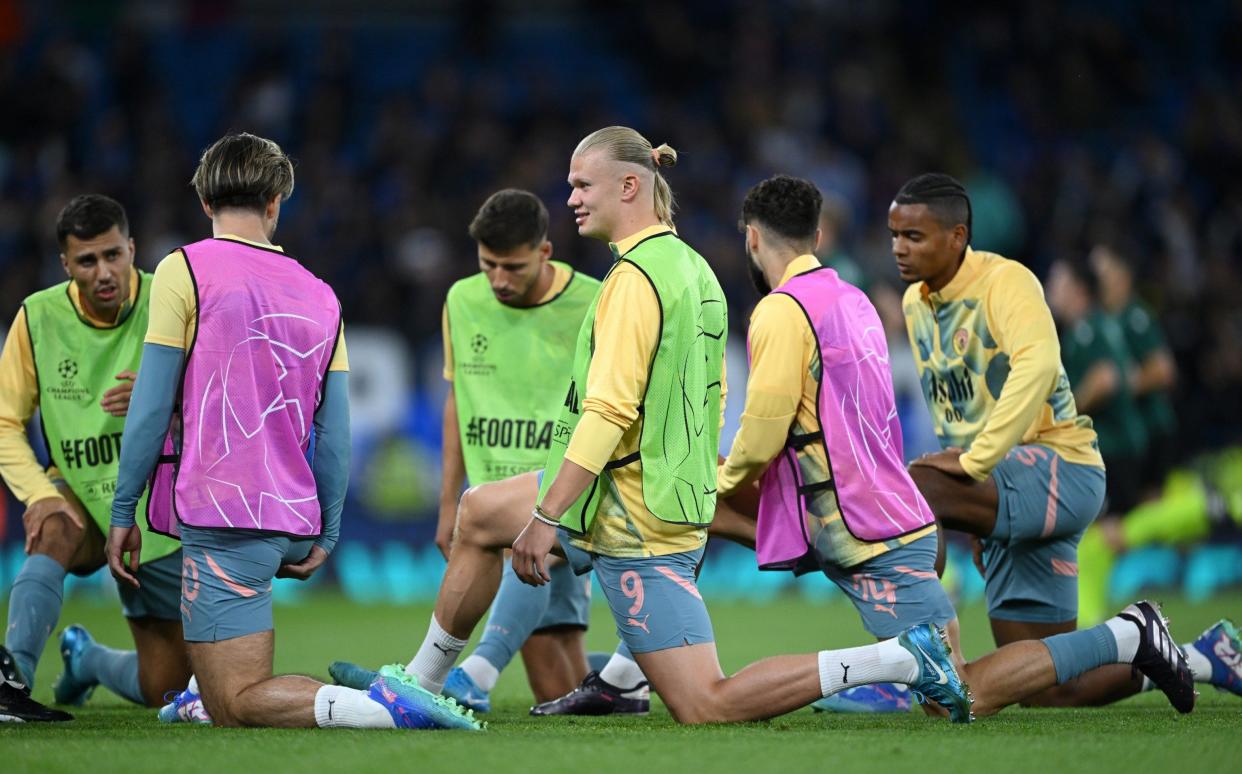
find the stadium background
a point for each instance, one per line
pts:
(1068, 122)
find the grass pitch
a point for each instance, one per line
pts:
(1142, 734)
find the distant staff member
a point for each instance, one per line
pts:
(1155, 371)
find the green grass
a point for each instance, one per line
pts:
(1142, 733)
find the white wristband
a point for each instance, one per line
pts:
(541, 515)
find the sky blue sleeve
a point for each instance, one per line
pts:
(146, 424)
(332, 450)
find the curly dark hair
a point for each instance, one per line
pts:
(788, 206)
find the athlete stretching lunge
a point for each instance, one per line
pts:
(630, 484)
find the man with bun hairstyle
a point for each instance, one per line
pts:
(630, 485)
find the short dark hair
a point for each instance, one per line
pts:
(243, 171)
(510, 219)
(784, 204)
(90, 215)
(944, 196)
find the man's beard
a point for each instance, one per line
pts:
(757, 279)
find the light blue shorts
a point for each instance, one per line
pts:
(896, 590)
(570, 601)
(159, 594)
(655, 600)
(1031, 559)
(226, 580)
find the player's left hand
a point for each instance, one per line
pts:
(947, 461)
(304, 569)
(530, 552)
(116, 400)
(122, 540)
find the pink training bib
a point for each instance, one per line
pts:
(253, 378)
(858, 429)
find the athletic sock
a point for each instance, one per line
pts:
(883, 662)
(1113, 642)
(481, 671)
(623, 672)
(34, 609)
(339, 707)
(116, 670)
(1199, 665)
(1127, 635)
(516, 611)
(435, 657)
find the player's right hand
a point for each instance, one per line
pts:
(122, 540)
(39, 511)
(116, 400)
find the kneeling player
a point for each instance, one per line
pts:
(63, 354)
(631, 477)
(820, 427)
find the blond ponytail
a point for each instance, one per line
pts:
(624, 144)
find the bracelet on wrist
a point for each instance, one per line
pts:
(540, 514)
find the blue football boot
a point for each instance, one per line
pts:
(69, 688)
(876, 698)
(411, 706)
(938, 679)
(1222, 647)
(461, 687)
(351, 675)
(184, 707)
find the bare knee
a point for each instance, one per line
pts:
(470, 516)
(481, 518)
(58, 538)
(698, 707)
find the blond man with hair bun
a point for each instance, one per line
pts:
(630, 486)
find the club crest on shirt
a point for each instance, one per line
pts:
(960, 339)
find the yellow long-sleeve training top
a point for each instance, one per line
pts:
(990, 362)
(174, 306)
(19, 397)
(782, 395)
(627, 332)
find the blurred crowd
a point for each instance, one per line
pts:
(1073, 125)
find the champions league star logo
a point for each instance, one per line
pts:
(479, 344)
(280, 359)
(67, 369)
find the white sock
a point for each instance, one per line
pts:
(481, 671)
(883, 662)
(624, 673)
(1200, 667)
(435, 657)
(339, 707)
(1126, 633)
(193, 686)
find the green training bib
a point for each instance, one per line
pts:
(680, 413)
(510, 368)
(76, 363)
